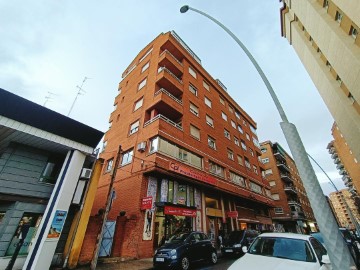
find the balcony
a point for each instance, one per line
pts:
(282, 166)
(348, 182)
(169, 81)
(340, 166)
(168, 60)
(336, 160)
(297, 215)
(343, 172)
(286, 177)
(167, 104)
(161, 117)
(184, 45)
(293, 202)
(334, 155)
(291, 189)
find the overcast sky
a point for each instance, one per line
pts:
(53, 45)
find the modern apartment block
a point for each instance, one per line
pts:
(190, 154)
(347, 165)
(339, 201)
(325, 35)
(292, 212)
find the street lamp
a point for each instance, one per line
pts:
(334, 242)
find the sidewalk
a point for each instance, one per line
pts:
(116, 263)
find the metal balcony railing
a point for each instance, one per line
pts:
(162, 90)
(172, 74)
(166, 51)
(162, 117)
(290, 188)
(186, 47)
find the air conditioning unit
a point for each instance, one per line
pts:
(85, 173)
(141, 146)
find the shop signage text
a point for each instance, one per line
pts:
(192, 173)
(146, 203)
(178, 211)
(232, 214)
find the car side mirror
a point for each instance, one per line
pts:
(325, 259)
(244, 249)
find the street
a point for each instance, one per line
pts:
(222, 264)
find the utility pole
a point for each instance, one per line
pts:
(107, 210)
(81, 91)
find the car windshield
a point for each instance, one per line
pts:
(281, 247)
(178, 237)
(235, 236)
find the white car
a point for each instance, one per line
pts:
(282, 251)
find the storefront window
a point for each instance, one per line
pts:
(181, 194)
(171, 191)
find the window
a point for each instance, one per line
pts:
(138, 104)
(209, 121)
(226, 134)
(193, 89)
(255, 169)
(222, 101)
(338, 79)
(240, 160)
(145, 67)
(127, 157)
(255, 187)
(134, 127)
(142, 84)
(51, 171)
(224, 116)
(278, 210)
(192, 72)
(265, 160)
(275, 196)
(206, 86)
(104, 146)
(263, 150)
(216, 169)
(353, 32)
(253, 130)
(231, 109)
(146, 54)
(110, 124)
(268, 172)
(195, 132)
(244, 122)
(237, 179)
(272, 183)
(230, 154)
(251, 152)
(243, 145)
(247, 137)
(326, 3)
(194, 109)
(115, 107)
(211, 142)
(237, 114)
(233, 124)
(268, 193)
(240, 129)
(183, 155)
(256, 142)
(208, 102)
(247, 164)
(109, 165)
(236, 141)
(154, 144)
(338, 17)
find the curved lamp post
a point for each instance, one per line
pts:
(338, 252)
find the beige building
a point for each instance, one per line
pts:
(339, 207)
(325, 35)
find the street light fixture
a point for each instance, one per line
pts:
(334, 242)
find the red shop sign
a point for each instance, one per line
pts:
(193, 173)
(232, 214)
(178, 211)
(146, 203)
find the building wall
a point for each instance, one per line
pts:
(331, 56)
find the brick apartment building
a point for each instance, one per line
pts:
(190, 155)
(292, 212)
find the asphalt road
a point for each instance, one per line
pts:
(222, 264)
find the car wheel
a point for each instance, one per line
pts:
(214, 257)
(185, 263)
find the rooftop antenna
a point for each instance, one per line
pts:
(80, 92)
(49, 97)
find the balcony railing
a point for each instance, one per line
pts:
(160, 116)
(282, 165)
(293, 202)
(162, 90)
(334, 155)
(166, 51)
(339, 166)
(186, 47)
(286, 177)
(172, 74)
(290, 188)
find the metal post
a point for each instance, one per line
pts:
(107, 210)
(338, 252)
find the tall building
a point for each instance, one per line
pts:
(292, 212)
(190, 154)
(347, 165)
(339, 201)
(325, 35)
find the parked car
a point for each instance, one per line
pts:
(233, 243)
(278, 251)
(350, 240)
(184, 248)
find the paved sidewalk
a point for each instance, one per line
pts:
(116, 263)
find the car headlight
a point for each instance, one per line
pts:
(237, 246)
(173, 254)
(155, 252)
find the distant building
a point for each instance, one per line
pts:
(45, 166)
(339, 201)
(325, 35)
(292, 212)
(190, 155)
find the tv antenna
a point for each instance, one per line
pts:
(81, 91)
(49, 97)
